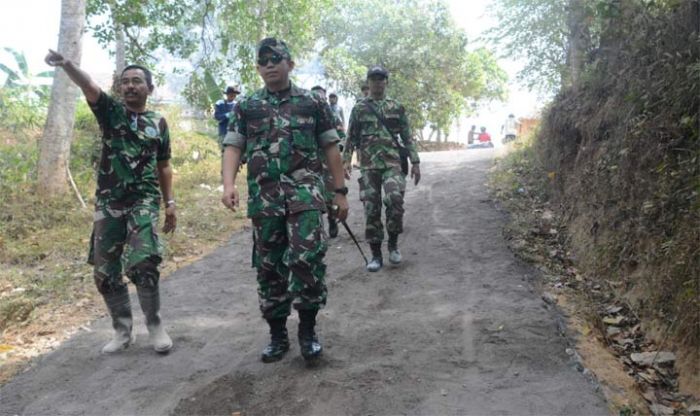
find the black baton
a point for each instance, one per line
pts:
(345, 224)
(352, 236)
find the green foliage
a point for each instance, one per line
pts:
(217, 36)
(17, 165)
(294, 21)
(536, 31)
(21, 112)
(24, 95)
(202, 90)
(22, 79)
(148, 26)
(431, 71)
(85, 147)
(21, 76)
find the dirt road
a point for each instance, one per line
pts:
(456, 329)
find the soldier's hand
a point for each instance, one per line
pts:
(415, 173)
(54, 58)
(340, 207)
(170, 219)
(230, 198)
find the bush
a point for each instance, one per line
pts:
(21, 110)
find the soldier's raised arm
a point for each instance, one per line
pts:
(90, 89)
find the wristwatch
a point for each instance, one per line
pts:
(170, 202)
(342, 191)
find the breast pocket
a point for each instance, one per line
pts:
(393, 122)
(303, 127)
(142, 145)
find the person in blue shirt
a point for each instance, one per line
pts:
(223, 109)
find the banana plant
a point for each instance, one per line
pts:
(20, 77)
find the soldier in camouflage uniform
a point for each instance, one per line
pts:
(285, 132)
(327, 177)
(380, 163)
(134, 173)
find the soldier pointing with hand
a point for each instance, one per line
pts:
(134, 174)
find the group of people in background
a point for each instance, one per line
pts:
(481, 138)
(298, 159)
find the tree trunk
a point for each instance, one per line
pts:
(578, 41)
(119, 49)
(54, 147)
(119, 57)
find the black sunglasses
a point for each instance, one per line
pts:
(275, 59)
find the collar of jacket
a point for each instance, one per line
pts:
(293, 91)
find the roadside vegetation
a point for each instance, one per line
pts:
(606, 196)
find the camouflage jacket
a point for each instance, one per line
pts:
(376, 148)
(132, 144)
(283, 135)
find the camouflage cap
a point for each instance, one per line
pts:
(377, 70)
(276, 46)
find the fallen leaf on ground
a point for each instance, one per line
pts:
(613, 320)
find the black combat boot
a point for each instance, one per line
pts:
(279, 341)
(308, 341)
(377, 262)
(393, 245)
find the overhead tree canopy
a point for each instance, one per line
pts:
(431, 71)
(218, 37)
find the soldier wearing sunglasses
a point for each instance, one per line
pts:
(284, 132)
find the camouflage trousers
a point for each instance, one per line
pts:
(126, 239)
(372, 183)
(288, 255)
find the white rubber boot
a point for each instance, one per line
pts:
(119, 307)
(149, 298)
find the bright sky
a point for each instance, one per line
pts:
(31, 26)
